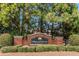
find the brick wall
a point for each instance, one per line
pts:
(42, 35)
(58, 40)
(20, 40)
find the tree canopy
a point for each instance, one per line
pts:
(48, 12)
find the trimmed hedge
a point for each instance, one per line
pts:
(6, 39)
(18, 46)
(74, 40)
(31, 49)
(72, 48)
(42, 48)
(0, 46)
(46, 48)
(61, 48)
(22, 49)
(26, 49)
(77, 49)
(9, 49)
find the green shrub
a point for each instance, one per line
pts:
(26, 49)
(5, 39)
(61, 48)
(74, 40)
(0, 46)
(77, 48)
(22, 49)
(31, 49)
(46, 48)
(52, 48)
(42, 48)
(70, 48)
(18, 46)
(39, 48)
(9, 49)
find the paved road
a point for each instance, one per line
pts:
(41, 54)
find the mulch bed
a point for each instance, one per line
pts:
(64, 53)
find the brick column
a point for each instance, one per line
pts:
(50, 39)
(58, 40)
(25, 42)
(18, 40)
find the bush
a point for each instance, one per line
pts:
(26, 49)
(42, 48)
(0, 46)
(22, 49)
(18, 46)
(39, 48)
(9, 49)
(74, 40)
(61, 48)
(31, 49)
(6, 40)
(71, 48)
(77, 48)
(46, 48)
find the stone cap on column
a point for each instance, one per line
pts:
(18, 36)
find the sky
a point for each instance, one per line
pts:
(78, 6)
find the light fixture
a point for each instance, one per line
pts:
(39, 38)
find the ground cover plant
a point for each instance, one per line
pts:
(41, 48)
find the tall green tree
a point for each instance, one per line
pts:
(9, 15)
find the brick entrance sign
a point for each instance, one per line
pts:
(39, 35)
(27, 40)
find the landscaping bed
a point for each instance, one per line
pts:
(54, 53)
(39, 48)
(6, 45)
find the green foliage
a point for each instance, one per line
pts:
(61, 48)
(72, 48)
(63, 12)
(41, 48)
(9, 49)
(6, 39)
(9, 17)
(77, 48)
(31, 49)
(0, 46)
(26, 49)
(74, 39)
(22, 49)
(46, 48)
